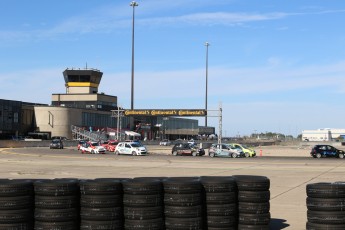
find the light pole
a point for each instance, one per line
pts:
(207, 45)
(133, 4)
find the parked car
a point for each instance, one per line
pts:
(130, 148)
(165, 142)
(112, 145)
(248, 152)
(187, 149)
(319, 151)
(56, 144)
(224, 150)
(92, 147)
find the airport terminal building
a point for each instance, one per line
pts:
(83, 108)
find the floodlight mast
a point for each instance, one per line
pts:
(133, 4)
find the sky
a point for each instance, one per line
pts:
(273, 66)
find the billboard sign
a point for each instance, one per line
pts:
(166, 112)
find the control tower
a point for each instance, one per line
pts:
(82, 81)
(82, 91)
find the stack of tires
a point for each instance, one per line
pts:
(183, 203)
(101, 204)
(143, 204)
(56, 204)
(220, 202)
(326, 206)
(16, 204)
(253, 202)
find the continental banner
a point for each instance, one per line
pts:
(166, 112)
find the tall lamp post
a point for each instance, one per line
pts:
(133, 4)
(207, 45)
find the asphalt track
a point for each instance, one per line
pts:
(288, 175)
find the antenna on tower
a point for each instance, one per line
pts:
(86, 66)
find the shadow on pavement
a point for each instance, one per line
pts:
(276, 224)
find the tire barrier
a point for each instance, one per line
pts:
(16, 204)
(152, 203)
(326, 207)
(220, 202)
(253, 202)
(101, 204)
(143, 204)
(56, 204)
(183, 203)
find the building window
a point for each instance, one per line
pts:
(15, 117)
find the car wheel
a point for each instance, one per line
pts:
(175, 153)
(318, 155)
(134, 153)
(117, 153)
(92, 152)
(247, 154)
(194, 154)
(212, 154)
(234, 155)
(341, 155)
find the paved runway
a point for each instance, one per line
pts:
(288, 175)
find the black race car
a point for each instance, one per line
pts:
(319, 151)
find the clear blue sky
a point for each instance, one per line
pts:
(276, 66)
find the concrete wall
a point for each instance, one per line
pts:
(57, 120)
(24, 144)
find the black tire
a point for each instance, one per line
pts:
(142, 186)
(341, 155)
(117, 153)
(326, 217)
(16, 187)
(143, 200)
(221, 210)
(194, 154)
(56, 215)
(254, 197)
(56, 187)
(101, 214)
(101, 187)
(254, 219)
(212, 154)
(100, 201)
(183, 212)
(16, 216)
(326, 190)
(174, 153)
(253, 208)
(92, 225)
(56, 202)
(326, 204)
(155, 224)
(180, 185)
(253, 227)
(182, 199)
(252, 183)
(17, 226)
(314, 226)
(183, 223)
(221, 222)
(233, 155)
(147, 213)
(318, 155)
(134, 153)
(218, 184)
(16, 202)
(68, 225)
(221, 198)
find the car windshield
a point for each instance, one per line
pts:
(55, 141)
(95, 144)
(136, 145)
